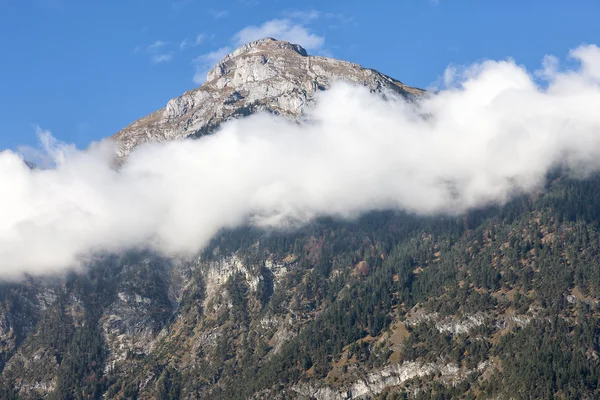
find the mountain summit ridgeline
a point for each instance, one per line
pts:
(265, 75)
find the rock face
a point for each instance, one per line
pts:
(265, 75)
(377, 381)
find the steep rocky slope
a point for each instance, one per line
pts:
(266, 75)
(498, 303)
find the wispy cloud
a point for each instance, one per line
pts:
(158, 51)
(187, 43)
(218, 14)
(46, 155)
(204, 62)
(282, 29)
(156, 45)
(160, 58)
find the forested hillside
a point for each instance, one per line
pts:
(499, 303)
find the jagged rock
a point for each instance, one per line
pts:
(265, 75)
(378, 380)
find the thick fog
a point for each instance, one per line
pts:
(494, 130)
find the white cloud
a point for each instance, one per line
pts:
(160, 58)
(156, 45)
(218, 14)
(157, 51)
(51, 151)
(186, 43)
(282, 29)
(205, 62)
(589, 56)
(493, 133)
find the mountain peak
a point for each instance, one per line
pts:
(268, 45)
(265, 75)
(264, 49)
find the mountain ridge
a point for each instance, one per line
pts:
(265, 75)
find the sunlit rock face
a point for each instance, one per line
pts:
(265, 75)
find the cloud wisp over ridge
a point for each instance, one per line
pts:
(282, 29)
(494, 131)
(206, 61)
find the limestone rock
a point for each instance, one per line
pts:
(265, 75)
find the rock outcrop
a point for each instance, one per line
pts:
(265, 75)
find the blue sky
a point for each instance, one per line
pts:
(85, 69)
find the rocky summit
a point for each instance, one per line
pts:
(265, 75)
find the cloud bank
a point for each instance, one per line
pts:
(494, 131)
